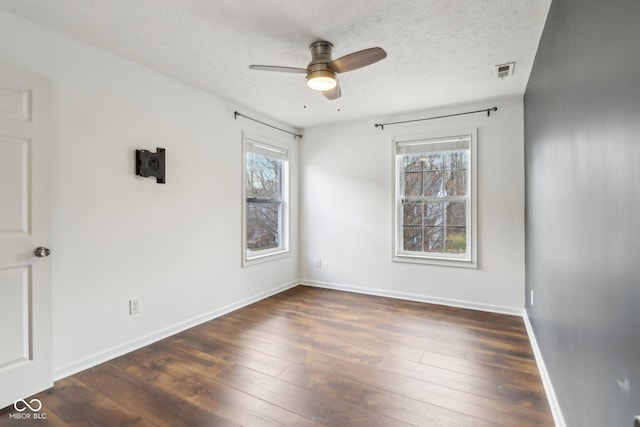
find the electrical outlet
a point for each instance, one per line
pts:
(318, 263)
(134, 306)
(531, 297)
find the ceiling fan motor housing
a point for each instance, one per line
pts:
(320, 59)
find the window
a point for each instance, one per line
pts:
(435, 203)
(265, 207)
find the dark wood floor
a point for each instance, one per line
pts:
(315, 357)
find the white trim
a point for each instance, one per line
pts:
(433, 259)
(514, 311)
(135, 344)
(265, 257)
(470, 259)
(558, 419)
(284, 149)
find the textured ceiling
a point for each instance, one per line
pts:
(440, 52)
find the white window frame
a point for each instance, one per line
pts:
(470, 259)
(281, 149)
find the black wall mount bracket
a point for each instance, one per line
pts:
(150, 164)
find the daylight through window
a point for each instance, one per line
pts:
(265, 199)
(434, 199)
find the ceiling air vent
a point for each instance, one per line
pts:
(505, 70)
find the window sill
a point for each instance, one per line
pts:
(259, 259)
(449, 262)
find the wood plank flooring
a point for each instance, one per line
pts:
(316, 357)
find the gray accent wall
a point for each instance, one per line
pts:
(582, 162)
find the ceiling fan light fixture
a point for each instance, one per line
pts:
(321, 80)
(322, 69)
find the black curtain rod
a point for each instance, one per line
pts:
(236, 114)
(488, 111)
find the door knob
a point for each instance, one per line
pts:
(42, 252)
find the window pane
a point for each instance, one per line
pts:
(432, 162)
(413, 184)
(412, 163)
(433, 184)
(412, 239)
(456, 213)
(264, 177)
(455, 160)
(263, 221)
(456, 240)
(412, 213)
(433, 214)
(455, 183)
(433, 239)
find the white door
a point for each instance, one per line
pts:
(25, 279)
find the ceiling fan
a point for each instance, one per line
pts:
(321, 71)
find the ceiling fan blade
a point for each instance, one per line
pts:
(332, 94)
(278, 69)
(359, 59)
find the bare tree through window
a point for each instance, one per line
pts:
(264, 201)
(434, 202)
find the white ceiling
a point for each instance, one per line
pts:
(440, 52)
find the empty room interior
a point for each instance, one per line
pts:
(243, 213)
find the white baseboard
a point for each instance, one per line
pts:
(129, 346)
(544, 375)
(515, 311)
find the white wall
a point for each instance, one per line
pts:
(345, 210)
(176, 247)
